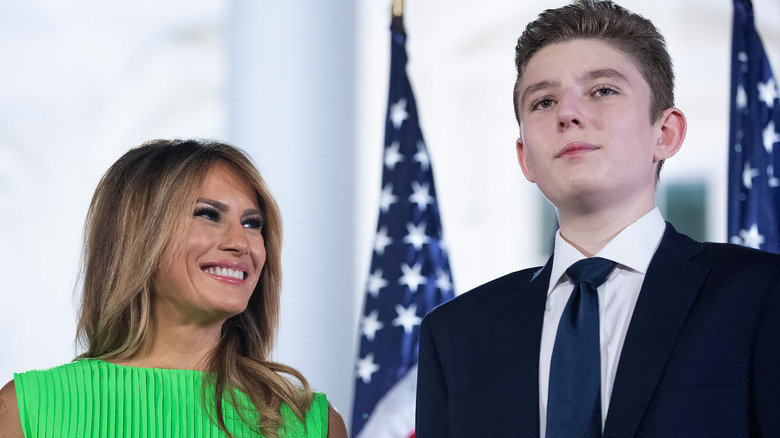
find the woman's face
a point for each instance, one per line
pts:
(212, 276)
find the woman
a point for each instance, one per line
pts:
(181, 281)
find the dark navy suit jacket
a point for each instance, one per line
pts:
(701, 357)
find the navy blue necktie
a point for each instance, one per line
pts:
(574, 400)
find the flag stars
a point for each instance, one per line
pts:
(747, 176)
(443, 281)
(375, 283)
(422, 156)
(751, 237)
(741, 98)
(366, 367)
(420, 195)
(412, 276)
(371, 325)
(767, 92)
(387, 198)
(416, 236)
(743, 58)
(392, 156)
(770, 137)
(407, 317)
(382, 241)
(398, 113)
(773, 180)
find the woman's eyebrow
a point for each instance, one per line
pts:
(221, 206)
(216, 204)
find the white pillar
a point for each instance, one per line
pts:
(291, 107)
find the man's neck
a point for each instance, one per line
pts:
(589, 232)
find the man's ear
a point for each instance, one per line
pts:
(671, 133)
(522, 158)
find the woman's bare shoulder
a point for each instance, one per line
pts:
(10, 425)
(336, 427)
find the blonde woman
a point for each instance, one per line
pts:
(181, 282)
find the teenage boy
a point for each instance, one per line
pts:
(630, 329)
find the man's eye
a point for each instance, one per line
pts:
(207, 213)
(542, 104)
(605, 91)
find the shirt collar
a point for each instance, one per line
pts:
(632, 248)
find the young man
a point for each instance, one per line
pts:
(682, 338)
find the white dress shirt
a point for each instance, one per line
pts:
(632, 250)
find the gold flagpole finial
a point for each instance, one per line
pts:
(398, 8)
(398, 15)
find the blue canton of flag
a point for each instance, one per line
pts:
(754, 161)
(410, 272)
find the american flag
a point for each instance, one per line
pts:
(754, 158)
(410, 271)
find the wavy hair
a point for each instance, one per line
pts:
(141, 207)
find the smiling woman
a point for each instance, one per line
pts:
(213, 270)
(181, 282)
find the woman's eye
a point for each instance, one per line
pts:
(207, 213)
(255, 223)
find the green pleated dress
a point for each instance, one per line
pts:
(93, 398)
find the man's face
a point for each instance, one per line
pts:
(585, 136)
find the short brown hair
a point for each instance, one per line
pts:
(629, 33)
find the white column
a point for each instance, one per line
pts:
(291, 107)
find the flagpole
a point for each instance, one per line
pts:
(398, 15)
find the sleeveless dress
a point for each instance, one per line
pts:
(93, 398)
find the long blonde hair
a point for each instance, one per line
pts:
(141, 207)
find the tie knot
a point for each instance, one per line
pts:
(593, 271)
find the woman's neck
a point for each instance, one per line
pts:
(174, 345)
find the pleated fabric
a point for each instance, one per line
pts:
(94, 398)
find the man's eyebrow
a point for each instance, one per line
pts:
(609, 73)
(536, 87)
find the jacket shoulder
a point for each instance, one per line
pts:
(719, 255)
(483, 296)
(730, 257)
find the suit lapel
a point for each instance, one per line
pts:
(668, 292)
(518, 324)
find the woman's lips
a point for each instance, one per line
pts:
(226, 271)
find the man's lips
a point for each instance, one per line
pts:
(575, 148)
(227, 271)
